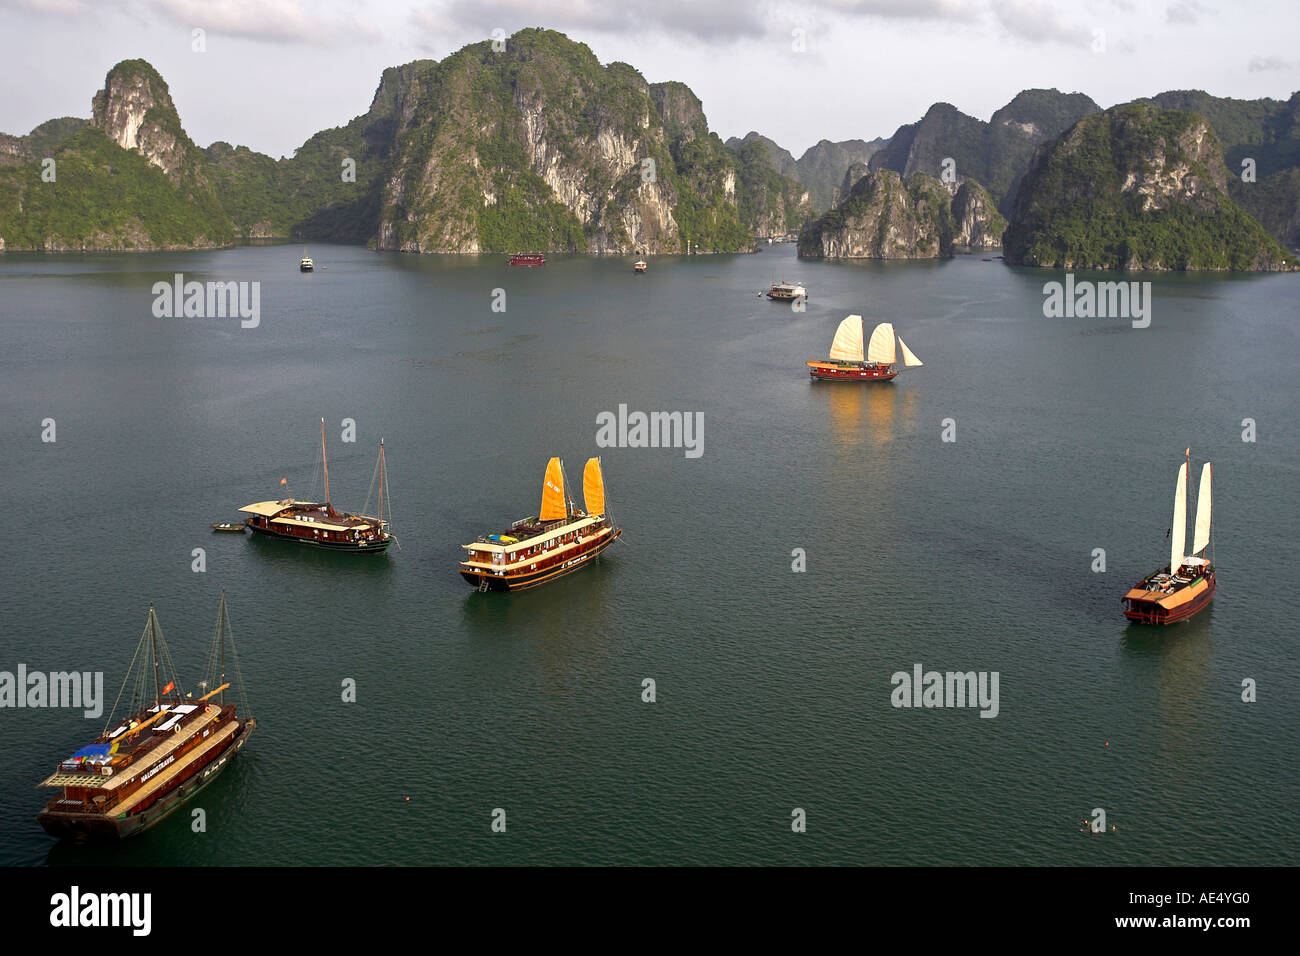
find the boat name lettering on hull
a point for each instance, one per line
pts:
(155, 770)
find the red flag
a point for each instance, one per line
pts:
(284, 481)
(170, 685)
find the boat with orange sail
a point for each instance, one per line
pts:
(561, 539)
(848, 363)
(318, 524)
(1187, 585)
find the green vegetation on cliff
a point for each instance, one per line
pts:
(994, 153)
(1135, 187)
(104, 196)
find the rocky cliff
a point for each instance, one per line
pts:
(538, 146)
(977, 224)
(820, 170)
(1262, 134)
(885, 217)
(129, 180)
(1136, 187)
(852, 175)
(770, 204)
(994, 153)
(135, 110)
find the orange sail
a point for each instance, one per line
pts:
(593, 487)
(553, 504)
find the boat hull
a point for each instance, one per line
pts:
(532, 579)
(851, 373)
(1145, 607)
(346, 546)
(99, 826)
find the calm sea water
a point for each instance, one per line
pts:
(773, 687)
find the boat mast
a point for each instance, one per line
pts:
(221, 637)
(325, 460)
(153, 646)
(381, 485)
(1187, 493)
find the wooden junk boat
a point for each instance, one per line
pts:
(847, 362)
(528, 259)
(318, 525)
(1178, 591)
(166, 749)
(559, 541)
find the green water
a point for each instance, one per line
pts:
(773, 687)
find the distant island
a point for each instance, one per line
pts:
(565, 154)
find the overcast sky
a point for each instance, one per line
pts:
(276, 71)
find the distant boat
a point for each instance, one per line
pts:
(228, 526)
(559, 541)
(318, 524)
(847, 362)
(159, 754)
(786, 291)
(528, 259)
(1187, 585)
(639, 266)
(305, 264)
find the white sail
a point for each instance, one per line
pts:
(881, 348)
(1178, 535)
(847, 346)
(1202, 536)
(910, 360)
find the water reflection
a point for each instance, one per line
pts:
(871, 413)
(279, 553)
(1181, 653)
(566, 621)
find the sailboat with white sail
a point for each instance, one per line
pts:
(848, 362)
(1187, 585)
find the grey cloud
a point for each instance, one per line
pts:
(1264, 64)
(1039, 21)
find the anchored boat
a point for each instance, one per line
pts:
(160, 754)
(787, 291)
(528, 259)
(1187, 585)
(847, 363)
(318, 525)
(559, 541)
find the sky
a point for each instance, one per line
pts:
(273, 72)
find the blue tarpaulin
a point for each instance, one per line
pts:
(93, 750)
